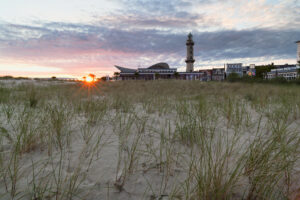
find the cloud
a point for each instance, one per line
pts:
(63, 40)
(155, 6)
(27, 68)
(248, 43)
(142, 32)
(155, 14)
(244, 14)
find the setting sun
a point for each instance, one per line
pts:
(89, 79)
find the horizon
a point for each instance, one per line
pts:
(71, 39)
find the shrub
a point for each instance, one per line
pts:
(233, 77)
(33, 100)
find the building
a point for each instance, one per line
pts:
(163, 71)
(205, 75)
(246, 69)
(289, 73)
(218, 74)
(190, 54)
(249, 70)
(283, 66)
(252, 70)
(157, 71)
(236, 68)
(201, 76)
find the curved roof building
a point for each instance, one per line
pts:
(125, 70)
(161, 70)
(159, 66)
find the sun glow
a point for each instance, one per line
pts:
(89, 79)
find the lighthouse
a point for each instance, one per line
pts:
(190, 54)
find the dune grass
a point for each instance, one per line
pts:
(163, 139)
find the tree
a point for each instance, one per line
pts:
(298, 72)
(7, 77)
(176, 74)
(156, 75)
(93, 76)
(232, 77)
(116, 75)
(263, 70)
(136, 74)
(53, 77)
(103, 78)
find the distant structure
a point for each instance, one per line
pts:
(289, 72)
(163, 71)
(190, 54)
(298, 51)
(236, 68)
(249, 70)
(252, 66)
(156, 71)
(218, 74)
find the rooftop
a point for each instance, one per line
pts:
(159, 66)
(125, 70)
(287, 69)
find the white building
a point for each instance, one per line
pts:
(289, 73)
(218, 74)
(236, 68)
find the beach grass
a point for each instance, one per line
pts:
(164, 139)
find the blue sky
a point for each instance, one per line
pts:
(75, 37)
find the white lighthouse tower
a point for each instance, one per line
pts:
(190, 54)
(298, 51)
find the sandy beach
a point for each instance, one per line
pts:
(149, 140)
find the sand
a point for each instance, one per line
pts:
(115, 158)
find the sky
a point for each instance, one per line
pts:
(72, 38)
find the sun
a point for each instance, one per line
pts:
(89, 79)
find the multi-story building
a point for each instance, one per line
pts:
(236, 68)
(283, 66)
(289, 73)
(249, 70)
(218, 74)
